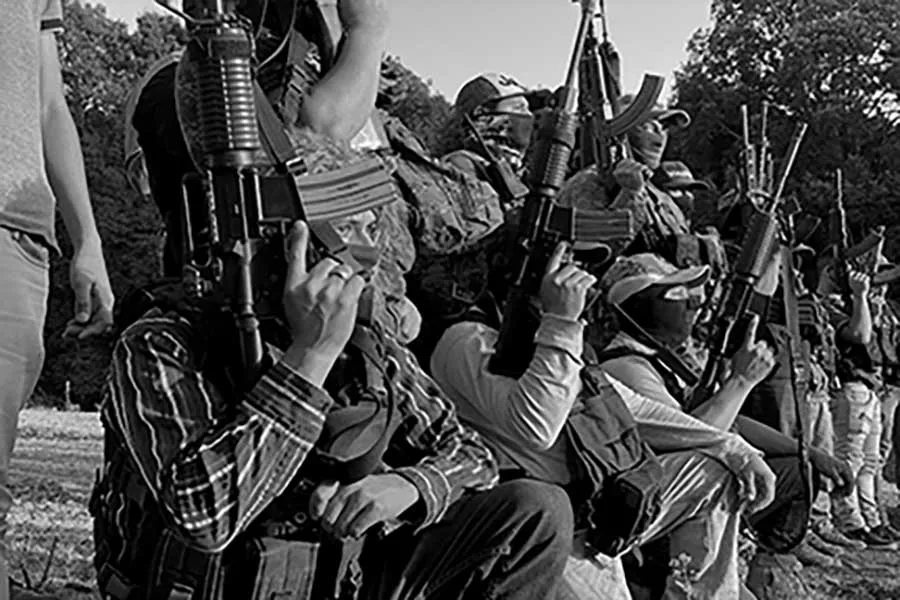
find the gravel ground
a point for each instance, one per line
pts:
(53, 469)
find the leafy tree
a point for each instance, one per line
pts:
(834, 64)
(101, 61)
(406, 96)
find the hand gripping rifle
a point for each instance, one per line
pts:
(543, 223)
(232, 260)
(758, 246)
(598, 80)
(846, 256)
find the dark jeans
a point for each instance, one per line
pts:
(511, 542)
(783, 524)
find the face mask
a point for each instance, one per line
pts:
(668, 321)
(648, 144)
(367, 257)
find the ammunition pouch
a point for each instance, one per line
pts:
(620, 474)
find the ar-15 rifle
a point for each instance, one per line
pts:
(543, 223)
(758, 246)
(234, 259)
(598, 80)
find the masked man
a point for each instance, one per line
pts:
(338, 103)
(658, 305)
(532, 424)
(216, 491)
(661, 224)
(490, 131)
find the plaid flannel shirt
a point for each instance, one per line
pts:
(213, 466)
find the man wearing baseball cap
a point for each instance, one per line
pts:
(524, 420)
(657, 304)
(491, 123)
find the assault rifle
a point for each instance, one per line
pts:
(238, 208)
(758, 246)
(846, 256)
(598, 80)
(543, 223)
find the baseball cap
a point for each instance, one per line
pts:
(632, 274)
(487, 87)
(670, 117)
(675, 175)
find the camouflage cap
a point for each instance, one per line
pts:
(675, 175)
(487, 87)
(632, 274)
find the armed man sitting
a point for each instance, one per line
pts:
(648, 188)
(561, 421)
(328, 466)
(657, 305)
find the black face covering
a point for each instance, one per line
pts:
(668, 321)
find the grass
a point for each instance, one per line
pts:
(53, 469)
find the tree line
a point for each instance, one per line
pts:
(834, 64)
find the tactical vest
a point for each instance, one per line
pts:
(141, 555)
(618, 473)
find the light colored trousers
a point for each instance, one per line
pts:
(818, 429)
(700, 514)
(23, 307)
(857, 439)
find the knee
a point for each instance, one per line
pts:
(543, 508)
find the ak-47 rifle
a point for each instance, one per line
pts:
(758, 246)
(233, 259)
(601, 140)
(543, 223)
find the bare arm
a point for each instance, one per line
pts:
(858, 329)
(339, 105)
(65, 171)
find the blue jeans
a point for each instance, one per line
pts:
(24, 262)
(511, 542)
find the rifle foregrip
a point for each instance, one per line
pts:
(553, 149)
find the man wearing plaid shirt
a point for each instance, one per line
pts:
(216, 466)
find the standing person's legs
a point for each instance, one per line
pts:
(854, 411)
(23, 307)
(867, 481)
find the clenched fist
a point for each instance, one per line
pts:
(859, 283)
(372, 15)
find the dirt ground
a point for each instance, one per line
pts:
(53, 469)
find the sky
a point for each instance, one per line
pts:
(530, 40)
